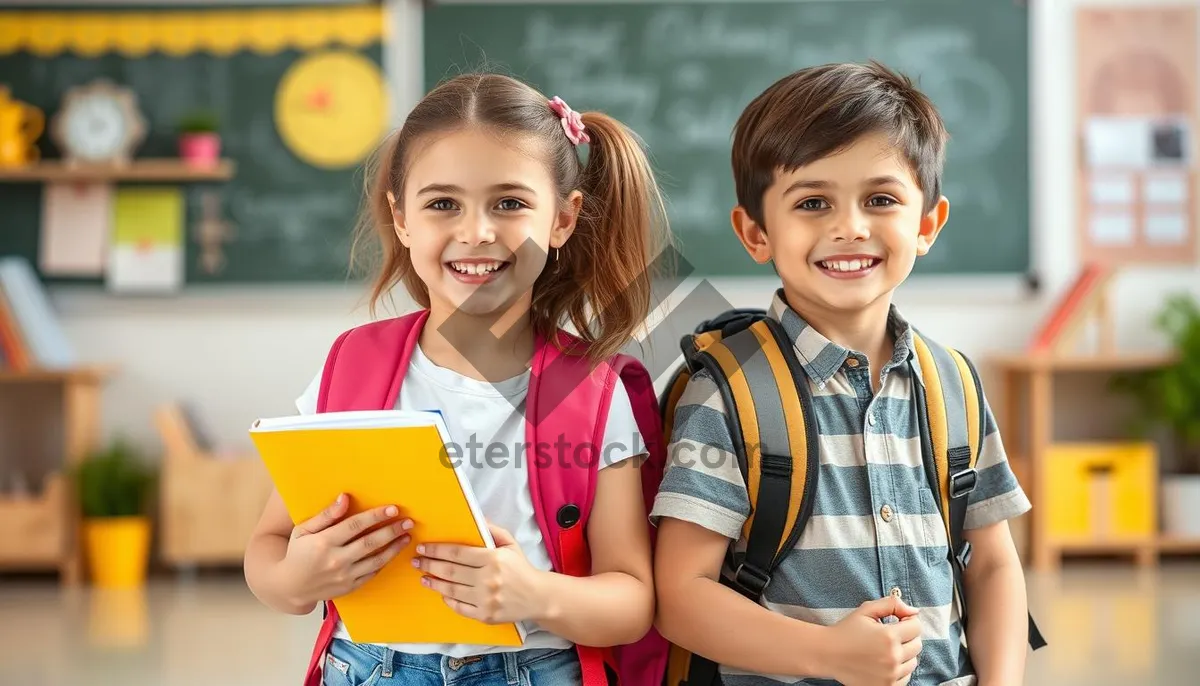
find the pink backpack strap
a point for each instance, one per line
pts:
(566, 415)
(351, 381)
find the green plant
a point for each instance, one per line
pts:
(1169, 397)
(114, 482)
(200, 121)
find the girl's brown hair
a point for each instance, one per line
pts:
(600, 280)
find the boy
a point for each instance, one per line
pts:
(837, 171)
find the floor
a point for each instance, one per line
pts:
(1107, 623)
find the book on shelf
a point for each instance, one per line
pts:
(31, 335)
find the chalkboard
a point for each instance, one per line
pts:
(679, 74)
(293, 222)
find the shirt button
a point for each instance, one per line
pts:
(886, 513)
(851, 362)
(896, 592)
(871, 419)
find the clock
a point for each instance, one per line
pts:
(99, 123)
(331, 108)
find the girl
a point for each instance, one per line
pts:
(485, 212)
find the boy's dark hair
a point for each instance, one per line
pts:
(818, 111)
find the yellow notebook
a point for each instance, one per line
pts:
(385, 458)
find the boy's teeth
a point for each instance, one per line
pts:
(846, 265)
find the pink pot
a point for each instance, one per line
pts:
(200, 149)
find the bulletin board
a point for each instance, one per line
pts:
(1137, 124)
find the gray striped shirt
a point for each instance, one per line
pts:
(870, 457)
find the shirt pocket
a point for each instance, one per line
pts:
(936, 547)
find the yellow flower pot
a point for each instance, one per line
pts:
(117, 550)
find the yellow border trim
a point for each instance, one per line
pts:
(218, 32)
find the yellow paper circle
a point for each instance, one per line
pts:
(331, 108)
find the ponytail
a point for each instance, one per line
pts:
(602, 277)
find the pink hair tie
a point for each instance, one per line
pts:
(572, 123)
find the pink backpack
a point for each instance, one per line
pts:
(566, 399)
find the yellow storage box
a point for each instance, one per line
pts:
(1101, 491)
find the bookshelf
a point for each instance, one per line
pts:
(40, 532)
(148, 170)
(1026, 420)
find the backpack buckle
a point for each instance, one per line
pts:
(963, 483)
(964, 554)
(752, 578)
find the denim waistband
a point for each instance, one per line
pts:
(508, 663)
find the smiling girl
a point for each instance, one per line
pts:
(486, 214)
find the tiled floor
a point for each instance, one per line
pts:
(1108, 625)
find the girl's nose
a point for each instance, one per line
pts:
(476, 229)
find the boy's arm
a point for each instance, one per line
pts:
(699, 613)
(997, 621)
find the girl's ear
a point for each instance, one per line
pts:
(397, 220)
(564, 224)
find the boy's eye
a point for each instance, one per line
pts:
(511, 204)
(881, 201)
(813, 204)
(442, 204)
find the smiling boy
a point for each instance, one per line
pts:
(837, 170)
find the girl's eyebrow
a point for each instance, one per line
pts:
(451, 188)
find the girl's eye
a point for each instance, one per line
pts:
(511, 204)
(442, 204)
(813, 204)
(881, 201)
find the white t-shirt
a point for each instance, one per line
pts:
(482, 416)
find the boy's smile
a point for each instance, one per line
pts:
(845, 230)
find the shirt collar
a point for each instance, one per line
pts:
(820, 357)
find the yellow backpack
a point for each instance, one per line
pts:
(775, 438)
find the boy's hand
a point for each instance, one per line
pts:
(328, 556)
(491, 585)
(871, 653)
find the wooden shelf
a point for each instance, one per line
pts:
(44, 532)
(1082, 363)
(1027, 382)
(150, 169)
(40, 375)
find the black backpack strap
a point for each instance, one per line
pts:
(774, 431)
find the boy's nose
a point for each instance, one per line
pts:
(850, 226)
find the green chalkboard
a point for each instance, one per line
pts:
(292, 221)
(680, 74)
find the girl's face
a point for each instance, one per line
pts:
(480, 215)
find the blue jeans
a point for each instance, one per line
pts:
(363, 664)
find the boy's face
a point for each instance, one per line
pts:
(845, 230)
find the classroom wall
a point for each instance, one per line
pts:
(240, 353)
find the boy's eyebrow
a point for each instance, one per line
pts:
(817, 184)
(451, 188)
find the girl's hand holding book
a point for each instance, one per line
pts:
(329, 556)
(492, 585)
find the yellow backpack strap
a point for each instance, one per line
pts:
(951, 402)
(954, 415)
(774, 432)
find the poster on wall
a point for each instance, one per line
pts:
(1136, 74)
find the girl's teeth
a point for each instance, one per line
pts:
(475, 268)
